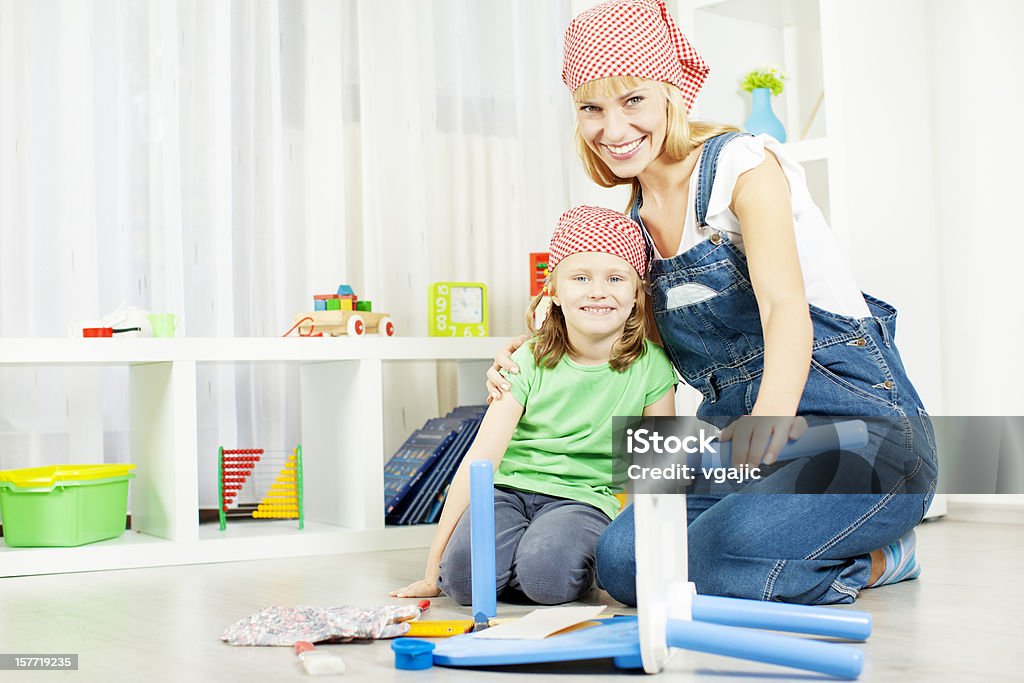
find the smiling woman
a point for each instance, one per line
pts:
(757, 309)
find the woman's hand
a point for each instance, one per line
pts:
(423, 588)
(496, 384)
(757, 439)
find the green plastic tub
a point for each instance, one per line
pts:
(64, 505)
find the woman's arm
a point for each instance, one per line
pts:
(490, 443)
(761, 201)
(496, 384)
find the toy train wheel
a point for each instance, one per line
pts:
(355, 326)
(386, 327)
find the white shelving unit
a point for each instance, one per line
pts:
(845, 102)
(342, 439)
(735, 36)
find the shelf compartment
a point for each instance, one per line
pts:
(737, 36)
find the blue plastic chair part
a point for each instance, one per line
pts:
(481, 531)
(412, 653)
(777, 616)
(618, 638)
(842, 661)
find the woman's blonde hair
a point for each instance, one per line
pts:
(681, 134)
(551, 339)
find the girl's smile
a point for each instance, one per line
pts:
(598, 310)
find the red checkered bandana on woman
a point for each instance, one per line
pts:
(634, 77)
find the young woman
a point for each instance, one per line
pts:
(758, 310)
(550, 439)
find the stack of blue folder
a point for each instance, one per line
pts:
(417, 476)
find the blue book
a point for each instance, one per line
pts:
(405, 472)
(403, 513)
(412, 460)
(444, 471)
(441, 473)
(452, 462)
(433, 511)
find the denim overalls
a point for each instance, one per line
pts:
(810, 549)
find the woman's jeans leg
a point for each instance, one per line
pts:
(761, 546)
(616, 550)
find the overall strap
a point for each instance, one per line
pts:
(706, 175)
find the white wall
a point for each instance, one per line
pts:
(879, 101)
(974, 56)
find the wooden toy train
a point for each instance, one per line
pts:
(343, 313)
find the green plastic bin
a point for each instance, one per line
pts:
(64, 505)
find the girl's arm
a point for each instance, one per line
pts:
(761, 201)
(491, 441)
(664, 406)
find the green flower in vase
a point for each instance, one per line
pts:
(770, 77)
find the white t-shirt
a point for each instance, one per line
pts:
(828, 281)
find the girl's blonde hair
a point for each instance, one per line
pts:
(551, 339)
(681, 134)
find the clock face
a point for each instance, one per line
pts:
(467, 305)
(458, 309)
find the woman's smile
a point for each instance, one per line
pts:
(625, 151)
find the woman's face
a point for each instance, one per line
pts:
(627, 131)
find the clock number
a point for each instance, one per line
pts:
(442, 290)
(441, 303)
(441, 321)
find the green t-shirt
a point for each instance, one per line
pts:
(562, 445)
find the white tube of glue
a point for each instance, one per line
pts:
(319, 662)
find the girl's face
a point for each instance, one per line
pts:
(627, 130)
(596, 292)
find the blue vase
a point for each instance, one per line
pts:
(762, 119)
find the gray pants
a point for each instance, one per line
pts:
(544, 548)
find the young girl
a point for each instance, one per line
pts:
(550, 439)
(758, 310)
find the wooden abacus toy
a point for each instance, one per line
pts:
(259, 484)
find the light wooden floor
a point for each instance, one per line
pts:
(962, 621)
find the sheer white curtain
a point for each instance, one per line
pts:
(226, 160)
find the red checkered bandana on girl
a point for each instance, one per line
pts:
(592, 228)
(631, 38)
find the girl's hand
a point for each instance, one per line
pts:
(496, 384)
(757, 439)
(418, 589)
